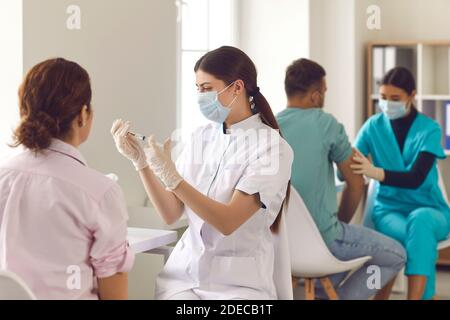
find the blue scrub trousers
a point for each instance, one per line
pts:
(419, 232)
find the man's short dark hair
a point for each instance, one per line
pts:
(302, 75)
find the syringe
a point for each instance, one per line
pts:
(138, 136)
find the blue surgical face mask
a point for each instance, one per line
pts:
(211, 107)
(393, 109)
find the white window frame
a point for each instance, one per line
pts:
(180, 50)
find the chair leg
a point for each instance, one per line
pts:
(309, 289)
(401, 282)
(329, 289)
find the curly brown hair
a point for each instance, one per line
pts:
(51, 96)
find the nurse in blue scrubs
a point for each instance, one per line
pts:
(404, 145)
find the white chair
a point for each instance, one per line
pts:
(400, 282)
(310, 257)
(282, 266)
(14, 288)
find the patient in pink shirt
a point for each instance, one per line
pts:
(64, 225)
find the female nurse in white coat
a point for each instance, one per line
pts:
(230, 180)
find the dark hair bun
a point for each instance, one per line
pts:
(36, 131)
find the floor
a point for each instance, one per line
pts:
(442, 287)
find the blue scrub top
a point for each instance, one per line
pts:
(378, 139)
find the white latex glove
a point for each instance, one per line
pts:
(127, 145)
(160, 161)
(365, 167)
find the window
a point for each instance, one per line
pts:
(10, 70)
(205, 25)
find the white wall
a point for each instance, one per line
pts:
(129, 49)
(11, 70)
(362, 36)
(332, 44)
(414, 20)
(274, 33)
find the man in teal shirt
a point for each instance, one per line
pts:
(319, 141)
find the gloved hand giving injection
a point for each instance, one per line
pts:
(154, 155)
(127, 144)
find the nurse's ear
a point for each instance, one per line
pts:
(239, 87)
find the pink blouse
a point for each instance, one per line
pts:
(63, 224)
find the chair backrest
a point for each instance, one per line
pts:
(282, 265)
(369, 204)
(310, 256)
(12, 287)
(442, 186)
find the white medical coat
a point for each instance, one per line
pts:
(250, 157)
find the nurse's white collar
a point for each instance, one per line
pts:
(252, 122)
(67, 150)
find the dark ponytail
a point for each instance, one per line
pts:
(51, 96)
(229, 64)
